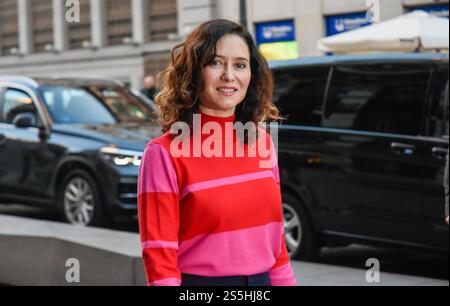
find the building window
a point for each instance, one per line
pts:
(156, 62)
(9, 33)
(163, 19)
(119, 21)
(42, 13)
(80, 32)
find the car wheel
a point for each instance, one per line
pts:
(301, 241)
(79, 200)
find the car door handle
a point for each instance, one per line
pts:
(439, 153)
(403, 148)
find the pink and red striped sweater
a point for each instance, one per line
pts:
(219, 216)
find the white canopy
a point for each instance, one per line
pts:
(410, 32)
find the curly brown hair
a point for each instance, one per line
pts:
(177, 100)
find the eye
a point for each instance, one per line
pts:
(241, 66)
(215, 62)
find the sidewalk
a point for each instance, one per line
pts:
(113, 258)
(311, 274)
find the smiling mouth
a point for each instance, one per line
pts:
(227, 91)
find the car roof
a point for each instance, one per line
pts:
(354, 59)
(77, 81)
(21, 80)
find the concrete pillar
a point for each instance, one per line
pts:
(24, 10)
(194, 12)
(180, 16)
(60, 26)
(139, 15)
(229, 9)
(310, 26)
(98, 23)
(333, 7)
(390, 9)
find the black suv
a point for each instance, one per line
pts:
(362, 152)
(76, 143)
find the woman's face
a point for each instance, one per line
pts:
(226, 78)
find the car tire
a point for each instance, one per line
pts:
(301, 240)
(79, 200)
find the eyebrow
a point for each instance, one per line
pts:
(237, 58)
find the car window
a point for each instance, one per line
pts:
(437, 114)
(386, 98)
(123, 104)
(75, 106)
(299, 94)
(16, 102)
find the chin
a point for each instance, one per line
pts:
(225, 105)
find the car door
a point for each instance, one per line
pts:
(436, 229)
(371, 152)
(21, 148)
(299, 95)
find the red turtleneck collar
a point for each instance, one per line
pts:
(222, 120)
(225, 123)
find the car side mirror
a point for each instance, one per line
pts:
(24, 120)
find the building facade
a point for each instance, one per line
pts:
(128, 39)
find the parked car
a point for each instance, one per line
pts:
(144, 99)
(73, 144)
(362, 151)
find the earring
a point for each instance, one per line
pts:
(245, 104)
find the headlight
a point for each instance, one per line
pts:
(121, 157)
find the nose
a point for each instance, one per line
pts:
(228, 75)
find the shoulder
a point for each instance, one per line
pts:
(163, 141)
(159, 147)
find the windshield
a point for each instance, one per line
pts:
(93, 105)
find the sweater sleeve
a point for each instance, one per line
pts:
(281, 273)
(158, 211)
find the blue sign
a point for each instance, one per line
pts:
(342, 23)
(273, 32)
(437, 10)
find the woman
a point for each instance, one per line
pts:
(213, 220)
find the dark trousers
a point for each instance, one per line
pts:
(262, 279)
